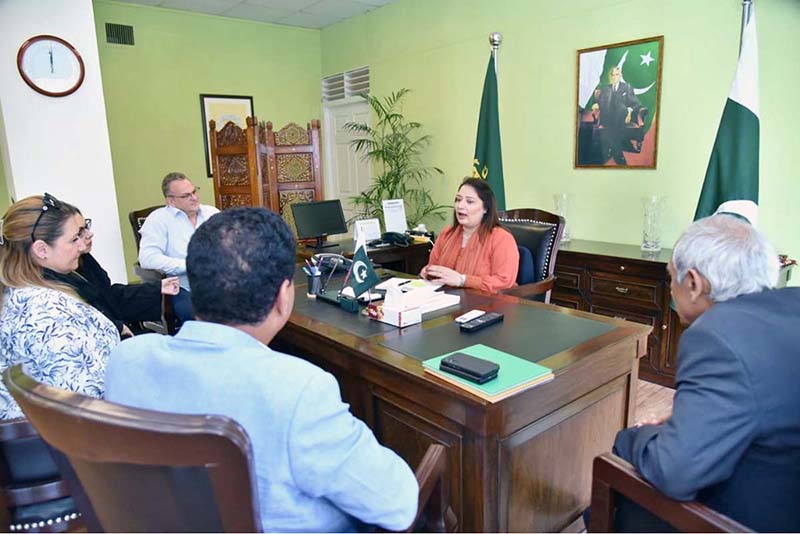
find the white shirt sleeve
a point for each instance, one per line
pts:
(153, 247)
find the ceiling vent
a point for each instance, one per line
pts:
(119, 34)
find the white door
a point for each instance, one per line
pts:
(347, 172)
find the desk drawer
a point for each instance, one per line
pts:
(628, 289)
(631, 268)
(568, 278)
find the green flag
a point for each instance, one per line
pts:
(731, 183)
(362, 276)
(488, 161)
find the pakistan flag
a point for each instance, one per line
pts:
(639, 63)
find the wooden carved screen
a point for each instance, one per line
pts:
(293, 167)
(236, 169)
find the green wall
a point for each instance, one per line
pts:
(152, 91)
(439, 48)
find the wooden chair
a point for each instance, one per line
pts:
(33, 496)
(169, 322)
(613, 477)
(538, 234)
(141, 470)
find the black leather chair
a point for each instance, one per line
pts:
(33, 497)
(538, 234)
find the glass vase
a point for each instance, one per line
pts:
(652, 207)
(561, 201)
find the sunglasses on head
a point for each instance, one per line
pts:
(48, 202)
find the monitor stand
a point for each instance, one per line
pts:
(320, 244)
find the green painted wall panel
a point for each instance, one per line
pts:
(152, 91)
(439, 49)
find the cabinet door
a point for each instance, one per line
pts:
(650, 363)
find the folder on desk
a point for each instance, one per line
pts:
(515, 374)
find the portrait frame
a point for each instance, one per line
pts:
(223, 108)
(616, 124)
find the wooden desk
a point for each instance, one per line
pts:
(410, 259)
(520, 465)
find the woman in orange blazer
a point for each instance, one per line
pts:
(475, 251)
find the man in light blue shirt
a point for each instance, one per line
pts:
(166, 233)
(318, 468)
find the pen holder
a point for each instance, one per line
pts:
(314, 285)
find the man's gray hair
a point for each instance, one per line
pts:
(168, 179)
(730, 253)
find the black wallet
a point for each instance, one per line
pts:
(469, 367)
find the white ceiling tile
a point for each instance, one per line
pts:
(342, 8)
(212, 7)
(288, 5)
(258, 13)
(143, 2)
(309, 20)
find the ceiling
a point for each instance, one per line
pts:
(303, 13)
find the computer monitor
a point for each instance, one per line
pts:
(316, 220)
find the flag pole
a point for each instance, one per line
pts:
(495, 38)
(747, 7)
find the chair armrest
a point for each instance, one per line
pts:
(533, 289)
(434, 513)
(148, 275)
(611, 474)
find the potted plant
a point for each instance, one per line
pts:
(396, 145)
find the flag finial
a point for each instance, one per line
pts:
(495, 38)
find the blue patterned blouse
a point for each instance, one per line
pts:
(60, 340)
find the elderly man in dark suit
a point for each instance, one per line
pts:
(617, 105)
(733, 440)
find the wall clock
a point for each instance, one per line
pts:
(50, 65)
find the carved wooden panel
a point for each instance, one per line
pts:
(231, 134)
(235, 201)
(554, 471)
(294, 168)
(233, 170)
(292, 134)
(287, 198)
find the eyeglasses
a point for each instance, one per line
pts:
(48, 202)
(87, 226)
(188, 195)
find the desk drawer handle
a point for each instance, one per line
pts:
(619, 317)
(622, 290)
(621, 267)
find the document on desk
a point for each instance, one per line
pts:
(408, 284)
(394, 215)
(425, 298)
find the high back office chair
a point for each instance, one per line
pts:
(139, 470)
(613, 478)
(538, 234)
(33, 497)
(169, 321)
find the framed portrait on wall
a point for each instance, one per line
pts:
(619, 87)
(222, 109)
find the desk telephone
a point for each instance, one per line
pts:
(393, 238)
(326, 262)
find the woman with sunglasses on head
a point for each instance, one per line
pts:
(121, 303)
(44, 324)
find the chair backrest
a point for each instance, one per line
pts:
(538, 231)
(34, 497)
(137, 218)
(141, 470)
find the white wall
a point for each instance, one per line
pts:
(59, 145)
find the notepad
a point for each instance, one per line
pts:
(516, 374)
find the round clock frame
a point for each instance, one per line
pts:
(32, 84)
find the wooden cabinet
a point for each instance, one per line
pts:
(624, 282)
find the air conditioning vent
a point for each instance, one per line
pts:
(344, 84)
(119, 34)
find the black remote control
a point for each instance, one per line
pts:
(481, 322)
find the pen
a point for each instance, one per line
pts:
(404, 283)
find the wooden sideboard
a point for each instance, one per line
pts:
(624, 282)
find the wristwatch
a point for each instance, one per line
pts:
(463, 280)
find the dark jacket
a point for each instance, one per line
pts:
(119, 302)
(733, 441)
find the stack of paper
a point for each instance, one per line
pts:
(515, 374)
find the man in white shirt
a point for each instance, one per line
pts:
(167, 231)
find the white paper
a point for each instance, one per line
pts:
(408, 284)
(394, 215)
(367, 229)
